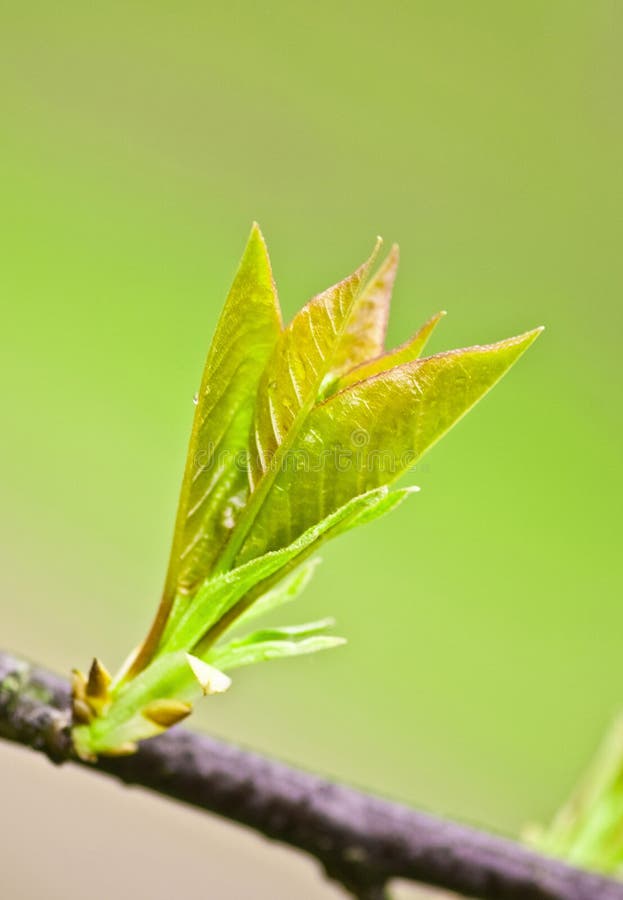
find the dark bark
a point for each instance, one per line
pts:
(362, 841)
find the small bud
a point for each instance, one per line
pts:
(82, 712)
(126, 749)
(78, 684)
(211, 680)
(99, 681)
(166, 713)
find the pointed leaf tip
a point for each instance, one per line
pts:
(256, 235)
(376, 250)
(98, 682)
(364, 338)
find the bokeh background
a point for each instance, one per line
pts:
(138, 142)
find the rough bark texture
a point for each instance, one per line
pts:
(362, 841)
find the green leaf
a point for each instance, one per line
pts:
(214, 478)
(214, 485)
(284, 592)
(405, 353)
(221, 593)
(363, 509)
(274, 643)
(301, 361)
(372, 432)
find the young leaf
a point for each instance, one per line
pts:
(406, 352)
(221, 593)
(215, 480)
(301, 361)
(274, 643)
(375, 431)
(364, 509)
(364, 336)
(246, 335)
(285, 591)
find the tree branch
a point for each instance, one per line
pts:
(362, 841)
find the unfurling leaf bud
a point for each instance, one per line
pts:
(78, 684)
(99, 681)
(298, 434)
(82, 712)
(166, 713)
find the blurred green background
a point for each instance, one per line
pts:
(137, 143)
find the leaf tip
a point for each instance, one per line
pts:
(533, 333)
(336, 641)
(375, 252)
(98, 683)
(211, 680)
(527, 338)
(256, 237)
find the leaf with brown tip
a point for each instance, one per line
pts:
(406, 352)
(364, 337)
(289, 387)
(370, 433)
